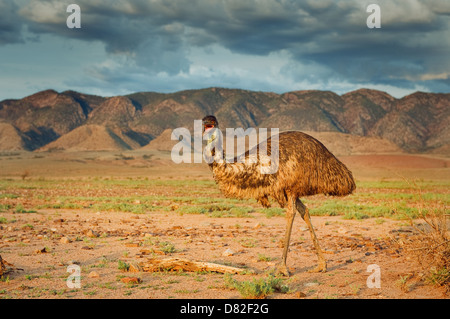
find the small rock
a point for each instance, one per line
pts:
(133, 244)
(145, 251)
(300, 294)
(93, 274)
(92, 234)
(131, 280)
(228, 252)
(65, 240)
(42, 251)
(342, 230)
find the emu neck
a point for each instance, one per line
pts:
(217, 162)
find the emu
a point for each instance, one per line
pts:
(305, 167)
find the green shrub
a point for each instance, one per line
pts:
(257, 288)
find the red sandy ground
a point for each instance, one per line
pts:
(350, 246)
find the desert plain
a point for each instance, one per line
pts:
(110, 211)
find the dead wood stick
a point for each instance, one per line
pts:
(176, 264)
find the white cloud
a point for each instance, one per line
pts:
(52, 12)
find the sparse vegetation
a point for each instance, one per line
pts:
(123, 266)
(262, 257)
(167, 247)
(21, 210)
(256, 288)
(402, 282)
(101, 202)
(431, 246)
(217, 210)
(431, 242)
(381, 202)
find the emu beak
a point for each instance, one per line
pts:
(207, 127)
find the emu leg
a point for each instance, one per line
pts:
(304, 212)
(290, 214)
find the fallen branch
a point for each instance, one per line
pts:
(177, 264)
(431, 248)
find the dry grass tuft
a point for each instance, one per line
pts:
(432, 248)
(430, 244)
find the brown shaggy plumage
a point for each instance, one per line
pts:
(305, 167)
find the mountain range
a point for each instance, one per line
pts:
(70, 120)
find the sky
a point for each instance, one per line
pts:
(127, 46)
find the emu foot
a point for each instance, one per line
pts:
(321, 267)
(281, 269)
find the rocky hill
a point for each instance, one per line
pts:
(47, 120)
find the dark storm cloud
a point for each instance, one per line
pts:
(413, 42)
(10, 24)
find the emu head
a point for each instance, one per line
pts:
(211, 133)
(209, 122)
